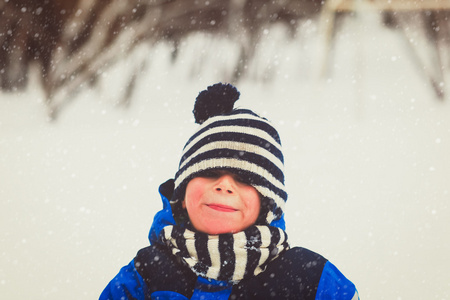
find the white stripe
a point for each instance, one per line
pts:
(265, 191)
(266, 236)
(240, 240)
(270, 217)
(189, 236)
(168, 236)
(265, 239)
(238, 146)
(228, 162)
(214, 254)
(234, 129)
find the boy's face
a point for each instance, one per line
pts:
(221, 203)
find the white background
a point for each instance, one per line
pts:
(366, 151)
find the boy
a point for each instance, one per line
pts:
(220, 234)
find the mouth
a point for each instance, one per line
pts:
(222, 208)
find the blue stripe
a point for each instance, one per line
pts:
(211, 289)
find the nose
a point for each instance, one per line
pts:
(225, 184)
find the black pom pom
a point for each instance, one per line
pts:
(217, 99)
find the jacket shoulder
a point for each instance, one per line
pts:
(161, 271)
(293, 275)
(127, 284)
(334, 285)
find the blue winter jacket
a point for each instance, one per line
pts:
(156, 274)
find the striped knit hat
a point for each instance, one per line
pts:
(235, 140)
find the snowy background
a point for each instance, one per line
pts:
(366, 151)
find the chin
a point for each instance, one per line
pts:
(221, 229)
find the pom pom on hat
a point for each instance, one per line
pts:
(217, 99)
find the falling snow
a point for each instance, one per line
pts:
(366, 153)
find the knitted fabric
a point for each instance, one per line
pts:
(226, 257)
(243, 143)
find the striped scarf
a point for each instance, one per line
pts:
(226, 257)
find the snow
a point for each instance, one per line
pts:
(366, 153)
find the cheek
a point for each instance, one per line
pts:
(253, 202)
(194, 192)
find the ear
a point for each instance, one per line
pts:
(183, 204)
